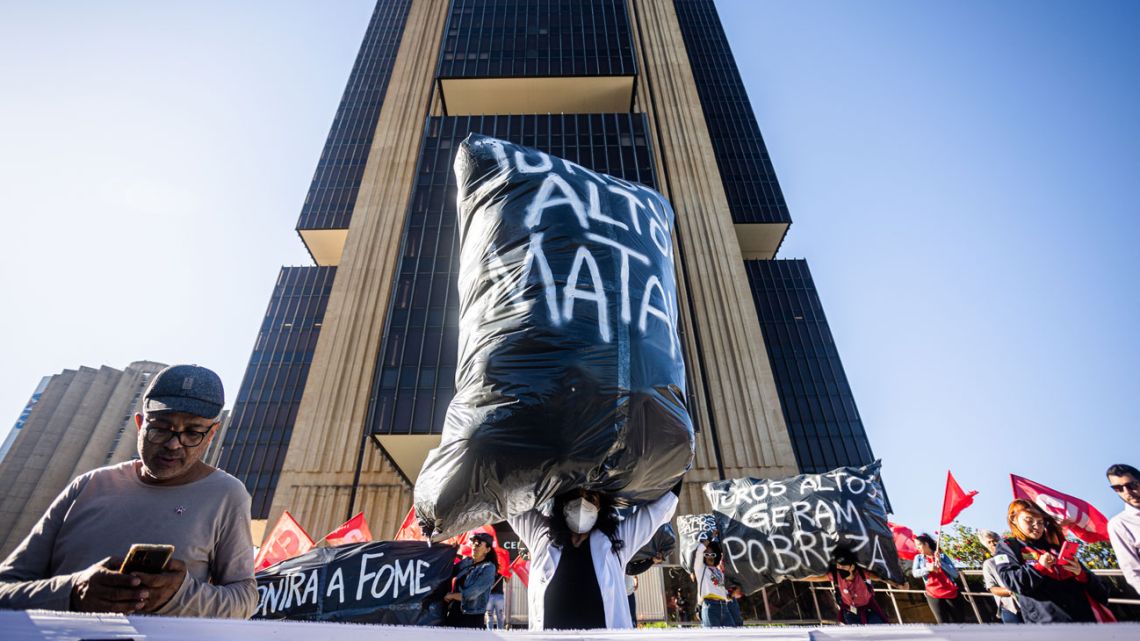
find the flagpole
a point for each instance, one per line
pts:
(938, 542)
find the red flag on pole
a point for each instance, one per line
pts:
(904, 541)
(1077, 517)
(503, 560)
(502, 557)
(410, 529)
(955, 500)
(287, 540)
(521, 567)
(354, 530)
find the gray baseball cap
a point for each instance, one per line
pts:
(185, 388)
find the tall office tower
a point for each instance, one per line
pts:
(83, 420)
(23, 418)
(643, 89)
(257, 433)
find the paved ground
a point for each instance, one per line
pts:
(56, 626)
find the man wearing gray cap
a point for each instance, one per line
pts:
(1006, 601)
(72, 558)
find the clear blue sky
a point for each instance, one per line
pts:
(962, 178)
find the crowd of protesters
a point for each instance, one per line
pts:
(1034, 574)
(73, 558)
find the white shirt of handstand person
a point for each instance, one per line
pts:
(578, 558)
(710, 578)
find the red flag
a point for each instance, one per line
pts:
(521, 567)
(502, 557)
(464, 540)
(410, 529)
(1077, 517)
(503, 560)
(904, 541)
(955, 499)
(354, 530)
(287, 540)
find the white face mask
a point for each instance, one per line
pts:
(580, 515)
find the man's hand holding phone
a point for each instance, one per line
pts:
(156, 571)
(161, 585)
(142, 582)
(101, 588)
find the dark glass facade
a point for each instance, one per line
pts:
(527, 38)
(754, 194)
(415, 371)
(332, 194)
(270, 393)
(819, 408)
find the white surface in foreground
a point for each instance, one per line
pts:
(60, 626)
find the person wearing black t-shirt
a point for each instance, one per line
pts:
(578, 558)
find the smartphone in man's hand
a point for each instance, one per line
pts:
(147, 558)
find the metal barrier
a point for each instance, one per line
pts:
(798, 602)
(981, 602)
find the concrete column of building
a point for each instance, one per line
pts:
(116, 427)
(318, 472)
(67, 438)
(13, 465)
(76, 409)
(735, 393)
(26, 441)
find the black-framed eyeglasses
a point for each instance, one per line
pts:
(1131, 485)
(188, 438)
(710, 555)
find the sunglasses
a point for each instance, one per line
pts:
(1131, 485)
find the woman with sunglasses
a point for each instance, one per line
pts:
(1049, 588)
(711, 589)
(578, 557)
(474, 575)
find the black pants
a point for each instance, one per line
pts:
(948, 610)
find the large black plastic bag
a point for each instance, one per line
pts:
(774, 530)
(570, 367)
(662, 544)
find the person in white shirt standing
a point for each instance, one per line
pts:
(1124, 528)
(711, 588)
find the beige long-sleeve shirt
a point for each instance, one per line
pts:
(102, 513)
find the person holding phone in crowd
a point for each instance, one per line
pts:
(1050, 583)
(940, 579)
(71, 560)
